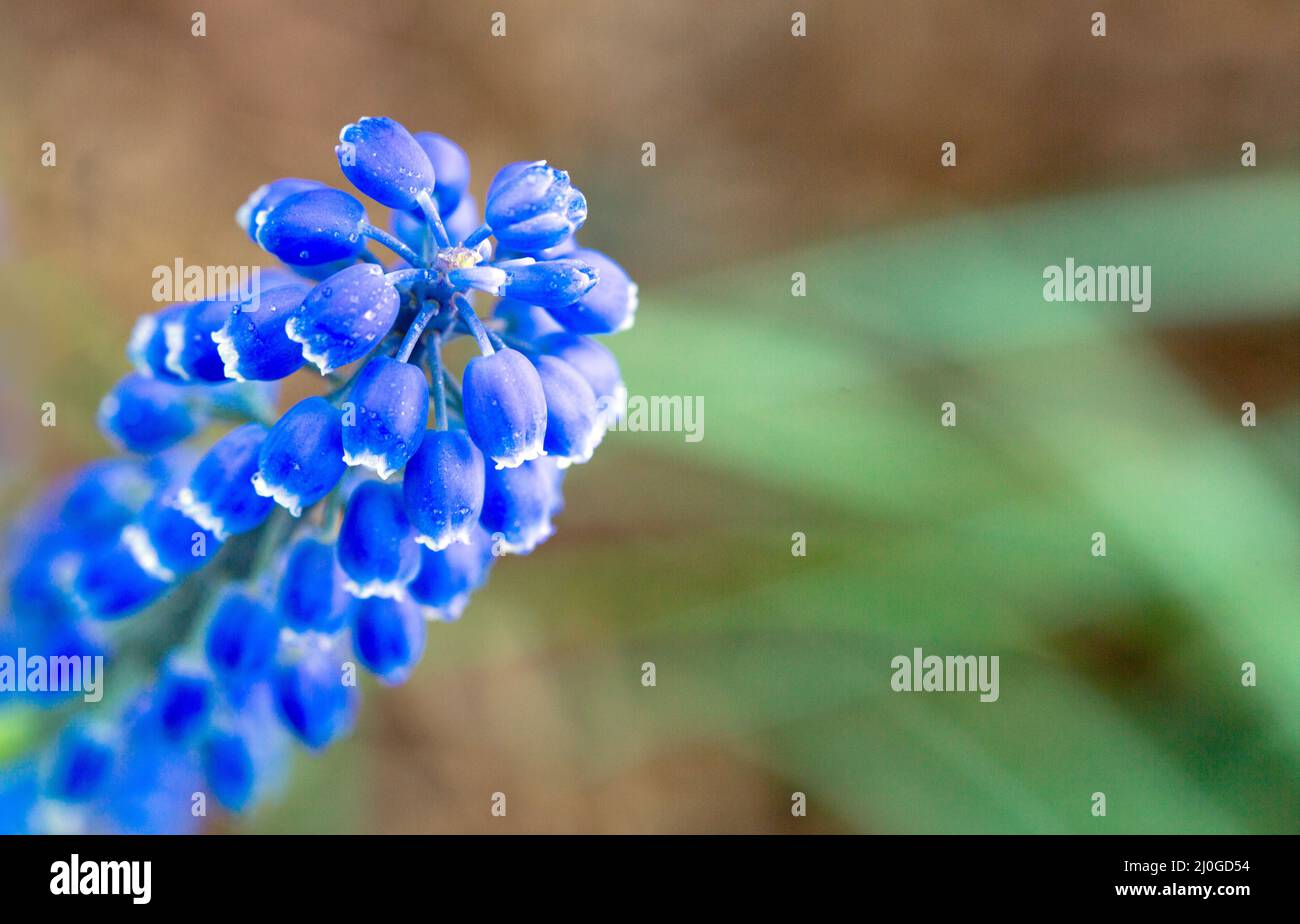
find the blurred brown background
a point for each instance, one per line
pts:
(764, 143)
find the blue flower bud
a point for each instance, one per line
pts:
(409, 228)
(443, 488)
(301, 459)
(147, 348)
(447, 577)
(388, 636)
(518, 504)
(100, 499)
(609, 307)
(112, 583)
(384, 161)
(259, 204)
(318, 272)
(344, 317)
(528, 322)
(463, 222)
(147, 415)
(253, 344)
(450, 168)
(533, 206)
(312, 597)
(505, 407)
(182, 702)
(229, 769)
(220, 495)
(551, 284)
(311, 698)
(191, 351)
(391, 401)
(376, 545)
(19, 792)
(40, 590)
(168, 542)
(591, 358)
(574, 427)
(242, 639)
(82, 765)
(565, 248)
(314, 226)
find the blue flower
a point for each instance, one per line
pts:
(241, 639)
(252, 342)
(450, 169)
(388, 636)
(113, 583)
(301, 459)
(344, 317)
(607, 308)
(228, 766)
(182, 701)
(82, 764)
(40, 587)
(533, 206)
(462, 222)
(596, 364)
(167, 542)
(147, 415)
(376, 545)
(310, 694)
(447, 577)
(518, 504)
(505, 407)
(259, 204)
(314, 226)
(19, 791)
(147, 348)
(525, 321)
(102, 498)
(391, 402)
(550, 284)
(312, 598)
(381, 159)
(574, 427)
(443, 488)
(192, 354)
(355, 585)
(410, 228)
(220, 495)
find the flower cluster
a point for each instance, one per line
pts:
(259, 572)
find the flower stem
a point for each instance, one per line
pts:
(403, 277)
(474, 324)
(480, 234)
(416, 329)
(434, 219)
(439, 385)
(380, 236)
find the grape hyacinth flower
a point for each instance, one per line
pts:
(376, 544)
(289, 547)
(391, 400)
(302, 458)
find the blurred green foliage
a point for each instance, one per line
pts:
(1119, 674)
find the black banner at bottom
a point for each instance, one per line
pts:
(212, 874)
